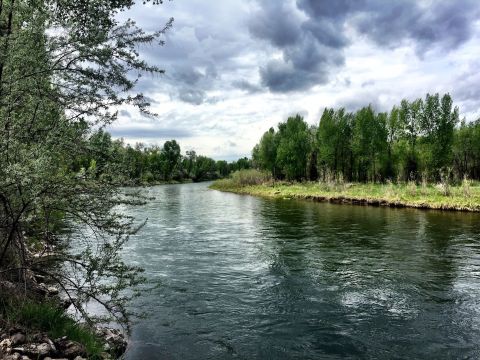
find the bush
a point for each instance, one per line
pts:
(412, 188)
(466, 187)
(249, 177)
(147, 177)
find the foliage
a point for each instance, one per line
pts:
(127, 165)
(242, 178)
(265, 155)
(415, 139)
(249, 177)
(294, 143)
(65, 69)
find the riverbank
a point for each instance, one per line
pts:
(465, 197)
(35, 322)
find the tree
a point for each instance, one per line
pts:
(55, 86)
(328, 137)
(466, 149)
(293, 147)
(171, 155)
(222, 168)
(369, 141)
(439, 121)
(100, 145)
(204, 168)
(411, 124)
(394, 131)
(189, 163)
(267, 151)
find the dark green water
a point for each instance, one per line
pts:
(249, 278)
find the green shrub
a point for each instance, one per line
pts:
(147, 177)
(466, 187)
(249, 177)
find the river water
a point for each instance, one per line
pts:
(251, 278)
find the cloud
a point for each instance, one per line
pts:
(281, 76)
(192, 96)
(467, 90)
(326, 32)
(357, 101)
(149, 133)
(447, 24)
(335, 10)
(246, 86)
(235, 68)
(368, 83)
(312, 46)
(125, 113)
(310, 49)
(187, 75)
(275, 22)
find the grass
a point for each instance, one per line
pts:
(48, 318)
(463, 197)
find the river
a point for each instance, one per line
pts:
(251, 278)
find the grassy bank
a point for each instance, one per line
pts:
(463, 197)
(46, 317)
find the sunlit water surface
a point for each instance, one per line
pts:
(252, 278)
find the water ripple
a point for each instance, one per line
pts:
(248, 278)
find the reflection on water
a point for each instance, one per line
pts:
(244, 277)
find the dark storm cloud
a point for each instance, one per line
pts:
(333, 10)
(326, 32)
(312, 47)
(388, 23)
(447, 24)
(280, 76)
(275, 22)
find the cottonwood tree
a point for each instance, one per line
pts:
(293, 147)
(267, 151)
(334, 139)
(66, 66)
(171, 158)
(466, 149)
(439, 121)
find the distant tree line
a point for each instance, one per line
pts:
(114, 160)
(420, 139)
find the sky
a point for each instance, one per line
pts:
(235, 68)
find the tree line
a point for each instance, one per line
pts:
(115, 161)
(420, 139)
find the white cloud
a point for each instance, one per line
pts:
(212, 98)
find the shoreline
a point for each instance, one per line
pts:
(35, 323)
(377, 195)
